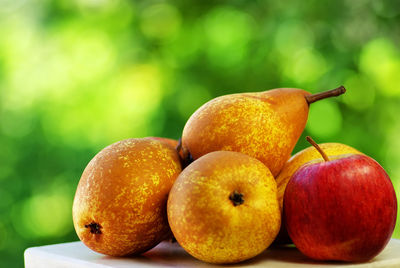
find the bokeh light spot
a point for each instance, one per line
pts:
(392, 158)
(227, 31)
(386, 8)
(360, 93)
(324, 120)
(67, 58)
(96, 4)
(380, 60)
(192, 99)
(292, 36)
(139, 95)
(307, 66)
(186, 46)
(225, 26)
(8, 6)
(160, 21)
(117, 110)
(88, 50)
(43, 215)
(15, 123)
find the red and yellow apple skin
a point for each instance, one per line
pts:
(344, 209)
(294, 163)
(332, 149)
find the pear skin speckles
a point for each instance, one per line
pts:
(264, 125)
(124, 190)
(204, 220)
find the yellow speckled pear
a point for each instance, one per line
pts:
(120, 203)
(223, 207)
(265, 125)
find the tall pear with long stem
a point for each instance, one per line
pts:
(265, 125)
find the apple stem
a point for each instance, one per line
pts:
(316, 146)
(326, 94)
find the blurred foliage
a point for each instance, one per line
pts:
(78, 75)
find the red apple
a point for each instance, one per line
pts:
(341, 209)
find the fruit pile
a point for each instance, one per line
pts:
(230, 188)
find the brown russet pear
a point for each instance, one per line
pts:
(120, 203)
(265, 125)
(298, 160)
(223, 207)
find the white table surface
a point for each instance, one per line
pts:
(77, 255)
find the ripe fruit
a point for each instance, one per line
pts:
(294, 163)
(304, 156)
(341, 209)
(174, 144)
(171, 142)
(120, 203)
(265, 125)
(223, 208)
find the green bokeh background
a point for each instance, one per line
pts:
(77, 75)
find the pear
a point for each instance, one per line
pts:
(265, 125)
(223, 207)
(297, 161)
(171, 142)
(176, 144)
(120, 202)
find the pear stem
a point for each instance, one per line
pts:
(326, 94)
(186, 158)
(178, 147)
(316, 146)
